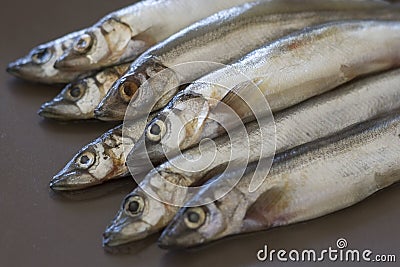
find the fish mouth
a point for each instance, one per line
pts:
(59, 111)
(72, 181)
(113, 237)
(14, 68)
(167, 242)
(106, 114)
(20, 68)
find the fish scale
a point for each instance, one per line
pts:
(284, 76)
(305, 120)
(310, 181)
(321, 116)
(351, 167)
(125, 34)
(223, 38)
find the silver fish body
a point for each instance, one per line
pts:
(78, 100)
(38, 65)
(101, 160)
(313, 119)
(304, 183)
(286, 72)
(125, 34)
(221, 38)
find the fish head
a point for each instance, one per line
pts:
(144, 88)
(193, 226)
(139, 216)
(213, 213)
(76, 101)
(175, 128)
(115, 103)
(229, 208)
(105, 44)
(148, 209)
(96, 163)
(38, 65)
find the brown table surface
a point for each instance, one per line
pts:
(40, 228)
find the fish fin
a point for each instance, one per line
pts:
(261, 213)
(199, 122)
(243, 99)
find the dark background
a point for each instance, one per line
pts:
(40, 228)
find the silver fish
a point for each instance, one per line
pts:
(38, 65)
(101, 160)
(313, 119)
(221, 38)
(287, 72)
(125, 34)
(78, 100)
(305, 183)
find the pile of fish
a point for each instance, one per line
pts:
(278, 111)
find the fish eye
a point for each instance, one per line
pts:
(156, 130)
(194, 218)
(86, 160)
(134, 205)
(83, 44)
(41, 56)
(75, 92)
(128, 90)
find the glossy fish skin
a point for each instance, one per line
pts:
(125, 34)
(222, 38)
(304, 183)
(78, 100)
(317, 60)
(342, 107)
(38, 65)
(100, 161)
(308, 121)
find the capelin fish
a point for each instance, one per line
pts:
(101, 160)
(155, 77)
(305, 183)
(287, 71)
(141, 215)
(78, 100)
(38, 65)
(125, 34)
